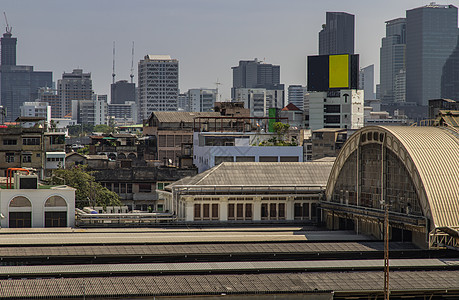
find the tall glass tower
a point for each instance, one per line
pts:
(431, 36)
(337, 35)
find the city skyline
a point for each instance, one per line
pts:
(210, 36)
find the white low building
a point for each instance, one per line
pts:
(213, 148)
(37, 207)
(249, 192)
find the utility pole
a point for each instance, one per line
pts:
(386, 252)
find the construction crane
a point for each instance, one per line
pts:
(8, 28)
(132, 64)
(113, 72)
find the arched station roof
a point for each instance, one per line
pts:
(431, 157)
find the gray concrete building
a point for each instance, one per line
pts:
(367, 82)
(158, 84)
(431, 36)
(121, 92)
(337, 34)
(18, 84)
(296, 95)
(255, 74)
(392, 58)
(73, 86)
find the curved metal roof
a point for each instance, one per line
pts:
(431, 156)
(435, 154)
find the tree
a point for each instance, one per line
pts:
(104, 128)
(88, 191)
(77, 130)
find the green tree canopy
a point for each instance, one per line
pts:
(88, 191)
(104, 128)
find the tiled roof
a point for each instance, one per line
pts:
(181, 116)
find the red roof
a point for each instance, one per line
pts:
(291, 106)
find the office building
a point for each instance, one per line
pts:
(92, 111)
(158, 84)
(183, 103)
(367, 82)
(51, 97)
(75, 86)
(337, 34)
(121, 92)
(450, 76)
(296, 95)
(254, 100)
(36, 109)
(340, 109)
(201, 100)
(431, 36)
(255, 74)
(125, 113)
(392, 58)
(18, 83)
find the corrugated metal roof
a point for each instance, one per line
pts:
(231, 267)
(198, 249)
(263, 173)
(435, 153)
(200, 285)
(181, 116)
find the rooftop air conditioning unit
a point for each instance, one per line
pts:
(25, 181)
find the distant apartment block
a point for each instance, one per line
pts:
(201, 100)
(158, 84)
(75, 86)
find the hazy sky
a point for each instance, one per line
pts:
(208, 37)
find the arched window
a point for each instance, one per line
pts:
(55, 201)
(20, 201)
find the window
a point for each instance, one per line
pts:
(129, 188)
(281, 211)
(8, 142)
(214, 211)
(31, 141)
(26, 158)
(197, 211)
(205, 211)
(9, 157)
(230, 211)
(248, 211)
(264, 211)
(144, 188)
(240, 211)
(123, 188)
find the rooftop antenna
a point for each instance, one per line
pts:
(113, 72)
(8, 28)
(132, 64)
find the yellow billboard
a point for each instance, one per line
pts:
(338, 71)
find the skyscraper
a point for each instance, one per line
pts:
(256, 75)
(337, 34)
(74, 86)
(450, 76)
(158, 84)
(122, 91)
(431, 36)
(202, 100)
(367, 82)
(392, 58)
(18, 84)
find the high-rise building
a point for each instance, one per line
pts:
(8, 50)
(122, 91)
(392, 58)
(431, 36)
(18, 84)
(92, 111)
(450, 76)
(367, 82)
(158, 84)
(254, 100)
(296, 95)
(51, 97)
(36, 109)
(202, 100)
(74, 86)
(256, 75)
(337, 34)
